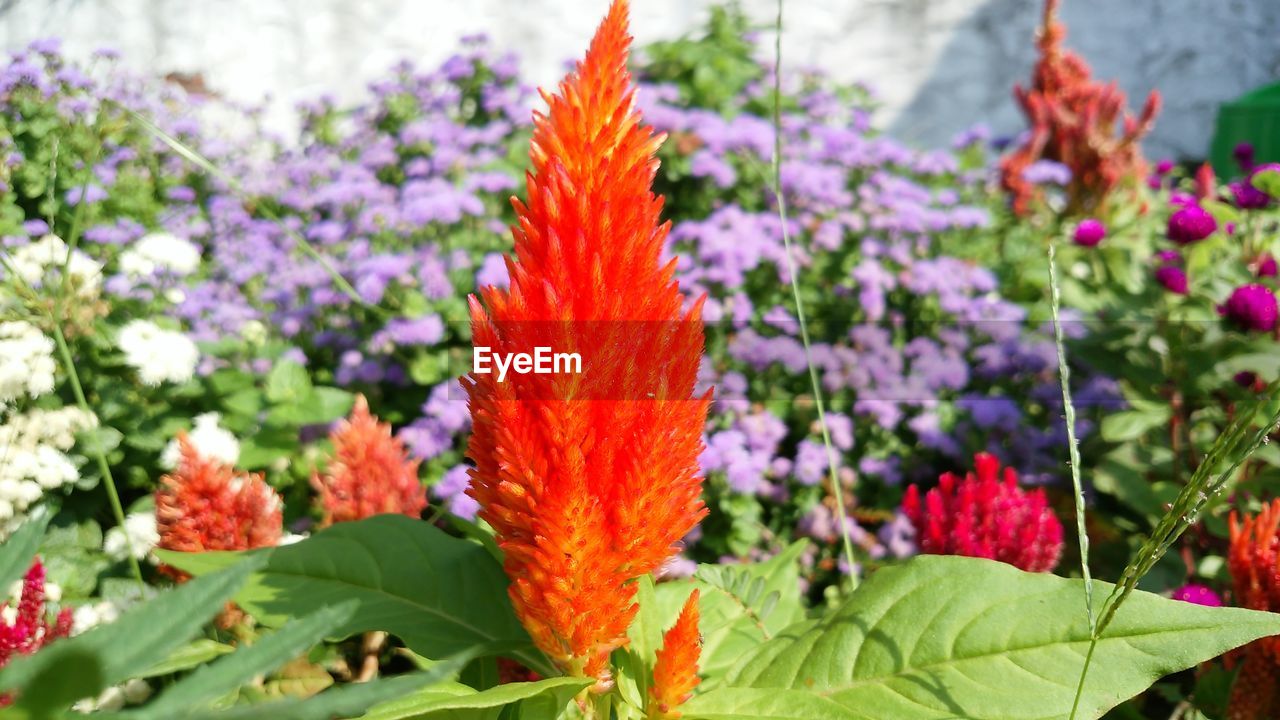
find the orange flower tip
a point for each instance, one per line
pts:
(675, 674)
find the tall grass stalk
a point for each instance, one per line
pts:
(793, 271)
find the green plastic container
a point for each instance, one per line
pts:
(1253, 118)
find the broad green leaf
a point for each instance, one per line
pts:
(268, 653)
(196, 653)
(541, 699)
(952, 637)
(17, 551)
(439, 594)
(82, 666)
(288, 382)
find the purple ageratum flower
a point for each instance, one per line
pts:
(1173, 278)
(493, 271)
(1089, 232)
(426, 330)
(452, 488)
(1047, 172)
(811, 462)
(1198, 595)
(1190, 224)
(1252, 307)
(90, 193)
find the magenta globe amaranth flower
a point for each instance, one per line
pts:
(1252, 307)
(1089, 232)
(1247, 197)
(1173, 278)
(1191, 223)
(1266, 266)
(1198, 595)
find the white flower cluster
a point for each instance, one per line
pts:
(26, 361)
(160, 251)
(139, 533)
(32, 262)
(212, 440)
(157, 354)
(33, 459)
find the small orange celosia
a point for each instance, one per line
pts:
(205, 504)
(675, 674)
(1254, 561)
(371, 472)
(589, 479)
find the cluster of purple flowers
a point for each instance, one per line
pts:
(355, 249)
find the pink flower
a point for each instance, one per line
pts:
(1089, 232)
(1198, 595)
(30, 628)
(1252, 307)
(1173, 278)
(1190, 224)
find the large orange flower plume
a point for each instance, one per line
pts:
(589, 478)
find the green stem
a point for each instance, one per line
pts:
(103, 467)
(836, 490)
(1084, 673)
(1069, 410)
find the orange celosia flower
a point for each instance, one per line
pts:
(205, 504)
(675, 674)
(1254, 561)
(589, 479)
(371, 472)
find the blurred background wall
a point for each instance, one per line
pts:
(938, 65)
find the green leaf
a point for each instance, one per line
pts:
(952, 637)
(733, 624)
(228, 673)
(196, 653)
(83, 666)
(1268, 181)
(541, 699)
(342, 701)
(439, 594)
(1133, 424)
(288, 382)
(16, 552)
(316, 406)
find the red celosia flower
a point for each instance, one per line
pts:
(1073, 121)
(1254, 561)
(982, 516)
(26, 628)
(675, 674)
(589, 479)
(371, 472)
(207, 505)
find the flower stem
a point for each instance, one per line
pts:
(104, 468)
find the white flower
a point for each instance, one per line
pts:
(160, 251)
(33, 459)
(139, 532)
(157, 354)
(32, 262)
(212, 440)
(26, 361)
